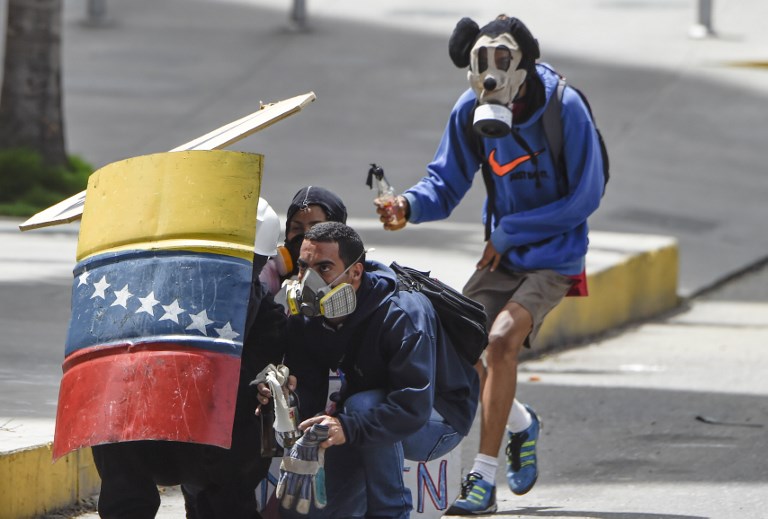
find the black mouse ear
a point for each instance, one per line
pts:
(461, 42)
(529, 45)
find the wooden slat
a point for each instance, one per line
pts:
(71, 209)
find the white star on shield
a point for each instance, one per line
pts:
(227, 332)
(148, 304)
(121, 297)
(172, 312)
(199, 322)
(100, 287)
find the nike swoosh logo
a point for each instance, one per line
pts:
(501, 170)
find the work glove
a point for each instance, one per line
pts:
(302, 475)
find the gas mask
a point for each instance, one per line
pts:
(312, 297)
(288, 255)
(496, 80)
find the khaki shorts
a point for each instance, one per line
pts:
(538, 291)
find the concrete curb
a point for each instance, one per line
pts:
(32, 485)
(631, 278)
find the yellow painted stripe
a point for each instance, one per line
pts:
(749, 64)
(30, 485)
(642, 285)
(203, 201)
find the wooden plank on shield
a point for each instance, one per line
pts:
(71, 209)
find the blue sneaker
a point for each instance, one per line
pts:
(477, 497)
(522, 470)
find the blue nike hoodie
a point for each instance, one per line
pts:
(536, 226)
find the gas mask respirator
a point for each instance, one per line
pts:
(287, 256)
(496, 81)
(312, 297)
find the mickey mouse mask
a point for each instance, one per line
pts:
(496, 80)
(500, 57)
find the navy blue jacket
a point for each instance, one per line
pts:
(392, 341)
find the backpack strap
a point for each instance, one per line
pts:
(476, 145)
(490, 190)
(552, 122)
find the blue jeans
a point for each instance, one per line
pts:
(367, 481)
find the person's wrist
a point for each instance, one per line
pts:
(406, 207)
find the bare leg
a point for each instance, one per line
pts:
(508, 332)
(480, 368)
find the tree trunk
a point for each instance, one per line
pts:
(30, 102)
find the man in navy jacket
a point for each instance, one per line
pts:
(406, 392)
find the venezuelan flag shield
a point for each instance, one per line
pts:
(159, 300)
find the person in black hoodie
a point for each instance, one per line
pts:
(309, 206)
(406, 392)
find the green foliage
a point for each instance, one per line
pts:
(28, 185)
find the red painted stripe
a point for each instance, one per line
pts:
(158, 392)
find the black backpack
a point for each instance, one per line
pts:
(553, 130)
(463, 319)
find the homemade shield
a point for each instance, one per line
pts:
(159, 300)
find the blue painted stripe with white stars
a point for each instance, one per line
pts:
(197, 299)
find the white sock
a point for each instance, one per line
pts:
(519, 418)
(486, 466)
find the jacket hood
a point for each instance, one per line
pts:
(547, 80)
(378, 284)
(334, 208)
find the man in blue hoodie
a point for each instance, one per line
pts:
(535, 216)
(406, 392)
